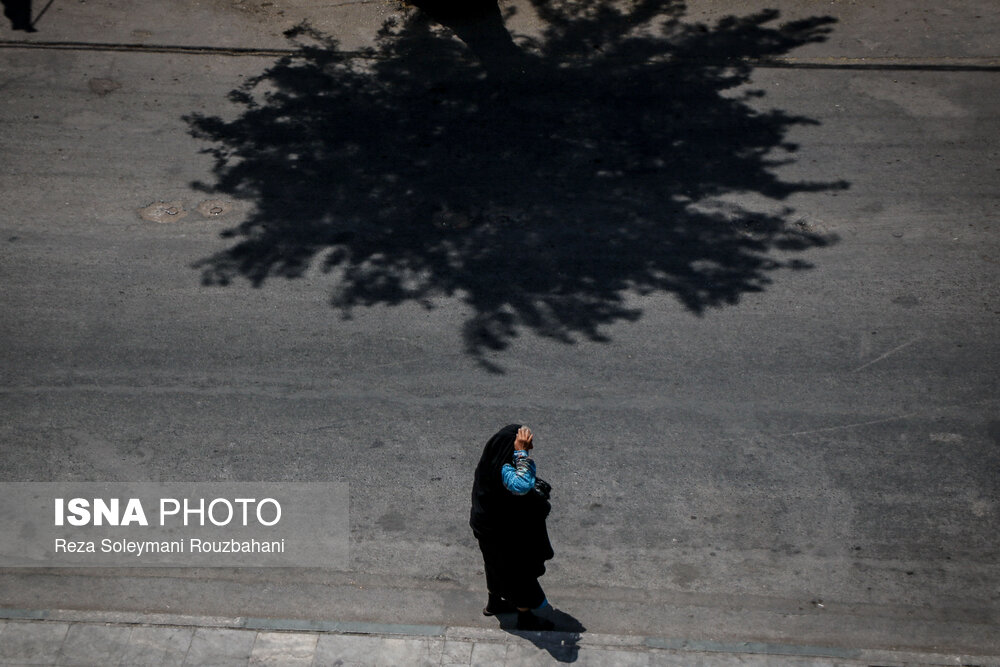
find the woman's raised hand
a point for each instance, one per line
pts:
(523, 439)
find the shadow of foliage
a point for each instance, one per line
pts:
(541, 180)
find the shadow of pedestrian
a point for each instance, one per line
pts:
(548, 182)
(562, 642)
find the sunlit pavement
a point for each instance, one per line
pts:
(740, 276)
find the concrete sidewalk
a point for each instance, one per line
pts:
(62, 637)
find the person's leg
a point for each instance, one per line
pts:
(496, 578)
(529, 598)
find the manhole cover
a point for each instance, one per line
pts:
(214, 208)
(162, 212)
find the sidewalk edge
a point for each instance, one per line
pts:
(494, 635)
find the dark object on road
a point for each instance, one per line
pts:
(508, 519)
(19, 13)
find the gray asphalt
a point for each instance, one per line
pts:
(758, 349)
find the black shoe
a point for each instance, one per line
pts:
(528, 621)
(497, 605)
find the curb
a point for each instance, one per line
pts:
(499, 636)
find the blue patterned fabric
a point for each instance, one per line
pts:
(519, 478)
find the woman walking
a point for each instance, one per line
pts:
(508, 519)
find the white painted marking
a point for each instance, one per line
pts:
(889, 353)
(838, 428)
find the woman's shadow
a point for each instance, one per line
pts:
(562, 642)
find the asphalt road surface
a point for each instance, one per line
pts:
(739, 276)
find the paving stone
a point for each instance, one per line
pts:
(658, 658)
(526, 654)
(284, 648)
(457, 652)
(537, 648)
(598, 657)
(348, 649)
(486, 654)
(153, 646)
(220, 648)
(32, 643)
(416, 652)
(435, 650)
(94, 644)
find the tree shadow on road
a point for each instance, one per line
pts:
(541, 180)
